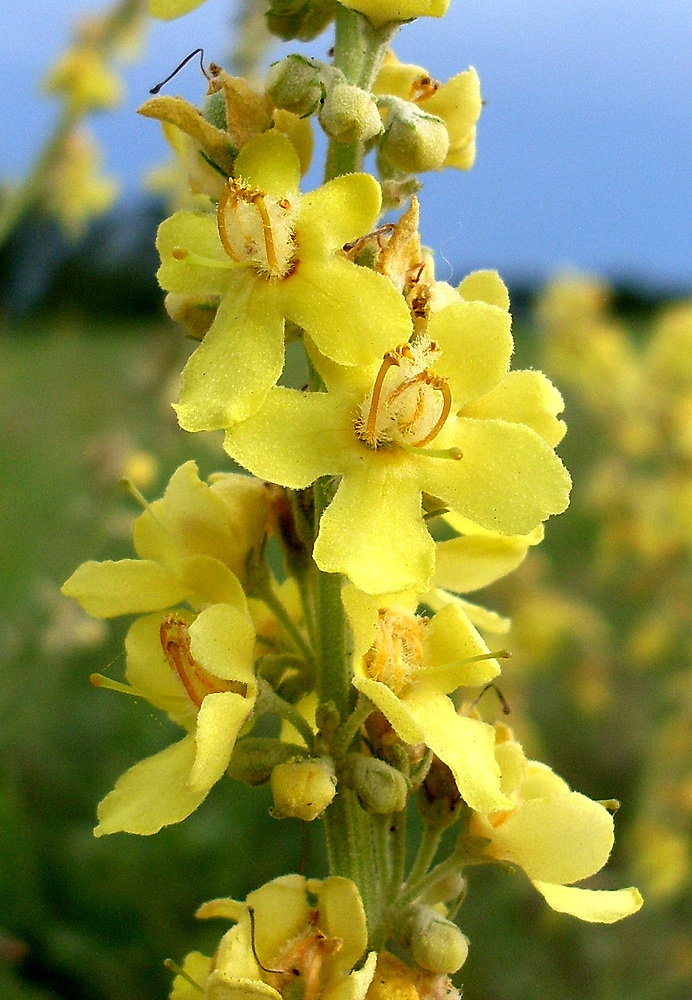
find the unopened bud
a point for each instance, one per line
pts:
(436, 943)
(380, 787)
(414, 141)
(350, 114)
(295, 84)
(215, 110)
(304, 788)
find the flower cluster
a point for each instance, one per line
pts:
(407, 464)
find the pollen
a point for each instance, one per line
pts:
(397, 653)
(257, 228)
(409, 403)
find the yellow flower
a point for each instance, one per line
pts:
(381, 11)
(457, 102)
(290, 929)
(408, 665)
(192, 547)
(272, 255)
(557, 836)
(200, 670)
(168, 10)
(440, 416)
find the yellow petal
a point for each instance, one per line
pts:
(450, 639)
(458, 103)
(241, 357)
(295, 438)
(524, 397)
(270, 162)
(219, 720)
(197, 966)
(355, 986)
(508, 479)
(152, 794)
(222, 640)
(392, 707)
(373, 530)
(281, 913)
(221, 986)
(196, 232)
(342, 916)
(470, 562)
(351, 313)
(166, 10)
(476, 345)
(561, 838)
(210, 581)
(381, 11)
(128, 586)
(485, 286)
(338, 212)
(466, 746)
(598, 906)
(150, 673)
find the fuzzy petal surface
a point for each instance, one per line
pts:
(508, 480)
(450, 639)
(470, 562)
(295, 438)
(123, 587)
(339, 211)
(392, 707)
(351, 313)
(281, 912)
(485, 286)
(222, 640)
(152, 794)
(342, 916)
(228, 376)
(597, 906)
(373, 530)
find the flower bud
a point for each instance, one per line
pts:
(436, 943)
(439, 801)
(215, 109)
(380, 787)
(350, 114)
(295, 84)
(304, 788)
(414, 141)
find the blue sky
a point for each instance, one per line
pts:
(584, 145)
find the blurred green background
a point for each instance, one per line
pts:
(83, 402)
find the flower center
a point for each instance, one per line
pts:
(397, 653)
(304, 956)
(198, 682)
(409, 403)
(257, 228)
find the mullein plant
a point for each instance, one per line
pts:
(413, 467)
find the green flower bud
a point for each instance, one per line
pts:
(413, 140)
(380, 787)
(303, 19)
(295, 84)
(350, 114)
(255, 758)
(304, 788)
(436, 943)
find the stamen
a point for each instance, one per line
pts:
(179, 971)
(175, 641)
(180, 253)
(454, 453)
(258, 201)
(442, 386)
(100, 681)
(390, 359)
(230, 191)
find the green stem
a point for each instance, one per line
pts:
(427, 849)
(345, 736)
(358, 52)
(414, 889)
(268, 597)
(270, 701)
